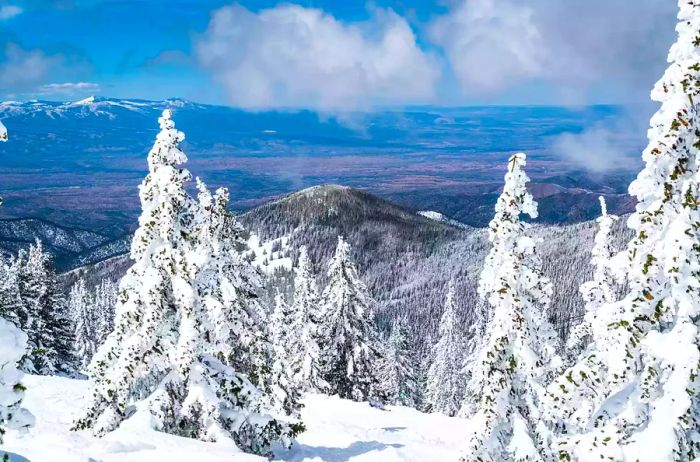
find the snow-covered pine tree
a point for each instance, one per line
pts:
(105, 299)
(82, 309)
(445, 380)
(598, 291)
(398, 370)
(634, 394)
(304, 350)
(230, 286)
(12, 347)
(11, 306)
(137, 354)
(48, 326)
(349, 340)
(518, 355)
(167, 347)
(284, 388)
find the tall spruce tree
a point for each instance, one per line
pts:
(398, 370)
(445, 379)
(304, 350)
(82, 309)
(634, 394)
(105, 299)
(168, 343)
(48, 324)
(518, 353)
(598, 291)
(349, 338)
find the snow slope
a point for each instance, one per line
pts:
(338, 431)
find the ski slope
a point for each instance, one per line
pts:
(337, 431)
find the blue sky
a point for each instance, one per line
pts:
(335, 55)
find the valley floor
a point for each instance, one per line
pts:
(337, 431)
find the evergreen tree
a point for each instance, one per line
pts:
(82, 308)
(445, 380)
(285, 389)
(230, 285)
(349, 339)
(167, 345)
(599, 291)
(634, 393)
(11, 305)
(518, 353)
(48, 322)
(398, 371)
(105, 299)
(305, 353)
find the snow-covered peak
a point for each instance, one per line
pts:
(83, 102)
(437, 216)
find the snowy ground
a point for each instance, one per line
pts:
(338, 431)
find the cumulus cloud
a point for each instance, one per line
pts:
(9, 11)
(22, 69)
(290, 56)
(573, 46)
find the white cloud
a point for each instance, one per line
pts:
(290, 56)
(22, 69)
(9, 11)
(69, 88)
(572, 46)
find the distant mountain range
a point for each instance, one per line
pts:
(79, 163)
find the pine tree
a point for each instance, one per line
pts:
(105, 299)
(518, 353)
(599, 291)
(445, 380)
(82, 309)
(176, 319)
(398, 371)
(231, 285)
(304, 350)
(634, 394)
(48, 323)
(349, 339)
(11, 305)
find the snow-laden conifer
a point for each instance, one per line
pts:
(518, 354)
(104, 301)
(172, 346)
(398, 371)
(349, 341)
(83, 312)
(304, 350)
(634, 393)
(445, 380)
(599, 290)
(48, 323)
